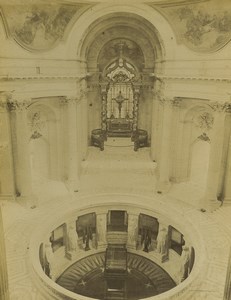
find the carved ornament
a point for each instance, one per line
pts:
(204, 121)
(15, 105)
(221, 107)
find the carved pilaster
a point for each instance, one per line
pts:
(163, 166)
(72, 143)
(4, 288)
(218, 153)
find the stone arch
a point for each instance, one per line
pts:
(82, 29)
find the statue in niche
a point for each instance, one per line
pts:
(49, 260)
(184, 264)
(72, 239)
(162, 241)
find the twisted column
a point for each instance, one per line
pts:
(104, 87)
(4, 289)
(136, 97)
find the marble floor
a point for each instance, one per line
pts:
(117, 170)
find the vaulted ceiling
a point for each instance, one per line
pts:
(202, 25)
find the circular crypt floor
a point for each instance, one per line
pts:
(144, 278)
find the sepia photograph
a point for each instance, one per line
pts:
(115, 149)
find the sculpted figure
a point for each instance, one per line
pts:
(72, 239)
(49, 255)
(184, 264)
(162, 241)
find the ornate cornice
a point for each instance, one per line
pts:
(165, 77)
(41, 77)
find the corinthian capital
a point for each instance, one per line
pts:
(4, 98)
(16, 105)
(221, 106)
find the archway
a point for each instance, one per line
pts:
(129, 42)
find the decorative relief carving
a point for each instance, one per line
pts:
(204, 121)
(204, 137)
(38, 27)
(71, 100)
(4, 98)
(199, 27)
(37, 124)
(113, 48)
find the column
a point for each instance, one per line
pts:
(154, 132)
(227, 292)
(84, 127)
(21, 153)
(164, 161)
(136, 96)
(72, 144)
(215, 170)
(178, 142)
(227, 185)
(7, 189)
(104, 107)
(157, 112)
(4, 289)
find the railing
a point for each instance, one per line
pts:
(52, 290)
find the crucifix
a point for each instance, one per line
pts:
(119, 100)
